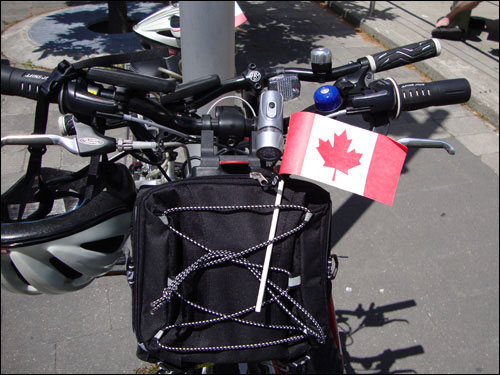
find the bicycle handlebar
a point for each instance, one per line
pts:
(421, 95)
(22, 82)
(26, 83)
(79, 96)
(130, 80)
(404, 55)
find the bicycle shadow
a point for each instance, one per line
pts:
(343, 219)
(373, 317)
(346, 216)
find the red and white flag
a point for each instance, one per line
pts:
(344, 156)
(239, 16)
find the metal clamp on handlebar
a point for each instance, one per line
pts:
(379, 103)
(61, 74)
(380, 97)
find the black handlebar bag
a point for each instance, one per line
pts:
(198, 252)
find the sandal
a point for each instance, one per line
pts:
(450, 33)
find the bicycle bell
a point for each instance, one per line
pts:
(321, 60)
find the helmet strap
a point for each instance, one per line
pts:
(32, 180)
(92, 177)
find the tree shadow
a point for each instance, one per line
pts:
(373, 317)
(66, 32)
(364, 10)
(281, 32)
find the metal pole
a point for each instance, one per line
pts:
(207, 43)
(207, 39)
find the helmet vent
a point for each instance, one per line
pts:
(66, 270)
(107, 246)
(175, 21)
(13, 210)
(19, 273)
(166, 33)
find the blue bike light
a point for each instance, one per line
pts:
(327, 98)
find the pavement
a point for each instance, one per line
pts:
(417, 289)
(396, 23)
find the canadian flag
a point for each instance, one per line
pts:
(239, 16)
(344, 156)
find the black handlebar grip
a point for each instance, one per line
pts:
(415, 96)
(191, 88)
(404, 55)
(21, 82)
(130, 80)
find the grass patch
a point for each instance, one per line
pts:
(151, 369)
(28, 64)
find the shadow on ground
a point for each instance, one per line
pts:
(373, 317)
(285, 34)
(66, 32)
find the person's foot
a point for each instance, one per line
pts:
(450, 33)
(442, 22)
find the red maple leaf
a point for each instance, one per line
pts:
(336, 156)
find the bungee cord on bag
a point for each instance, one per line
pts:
(214, 257)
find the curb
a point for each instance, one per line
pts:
(356, 19)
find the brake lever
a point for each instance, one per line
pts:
(86, 143)
(69, 144)
(427, 143)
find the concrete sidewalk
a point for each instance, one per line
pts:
(418, 291)
(396, 23)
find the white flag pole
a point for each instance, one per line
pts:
(269, 250)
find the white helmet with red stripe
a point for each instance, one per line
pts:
(43, 252)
